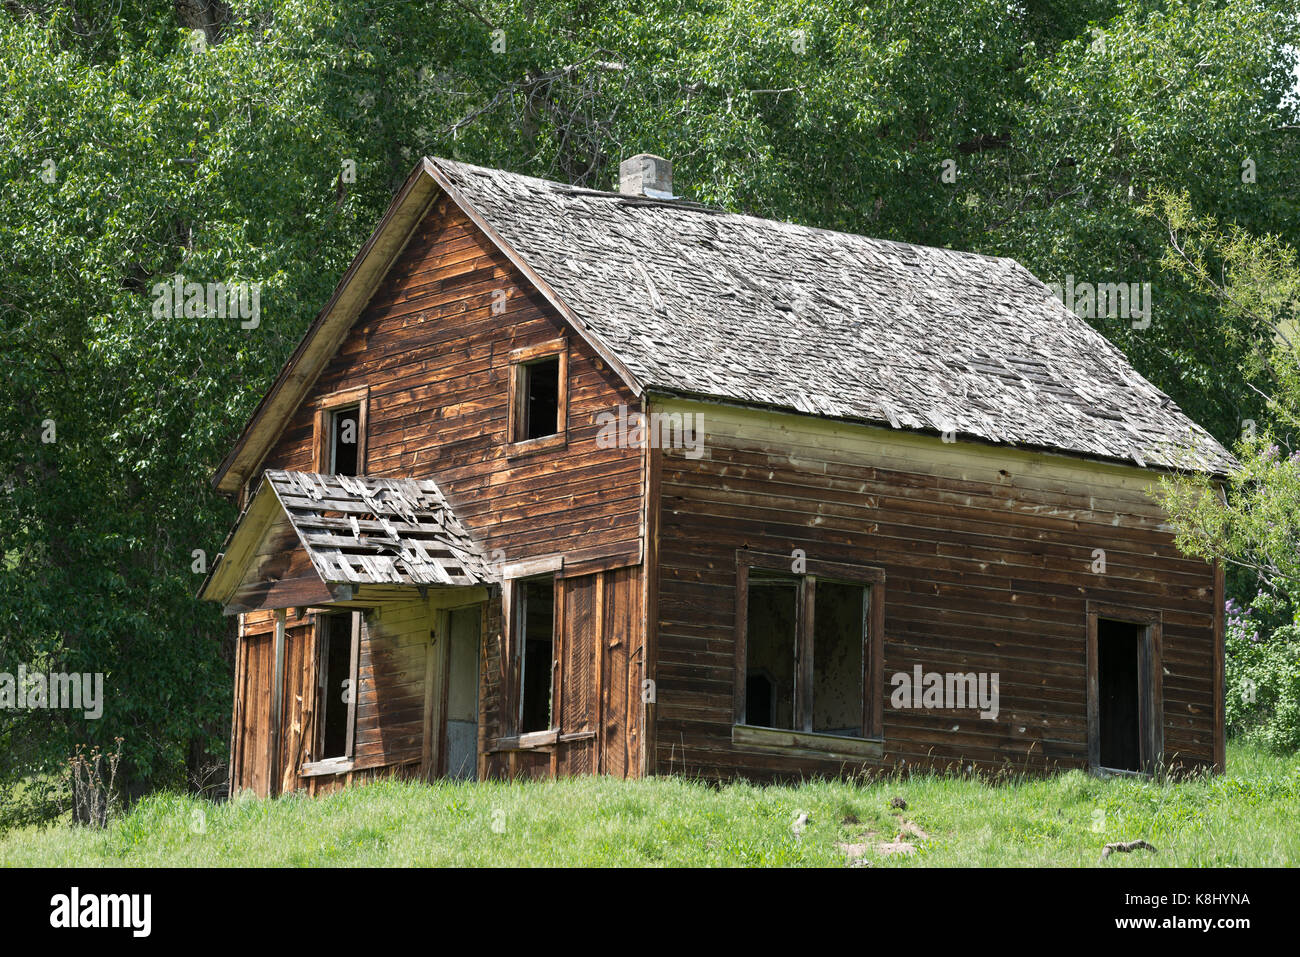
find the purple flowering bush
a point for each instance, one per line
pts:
(1262, 677)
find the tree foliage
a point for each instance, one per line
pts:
(261, 141)
(1254, 521)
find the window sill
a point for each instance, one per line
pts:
(516, 450)
(313, 769)
(806, 742)
(526, 742)
(539, 739)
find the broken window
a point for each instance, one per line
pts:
(806, 652)
(336, 709)
(535, 617)
(541, 398)
(538, 394)
(345, 435)
(339, 446)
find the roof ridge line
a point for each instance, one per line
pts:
(697, 207)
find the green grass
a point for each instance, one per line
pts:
(1244, 818)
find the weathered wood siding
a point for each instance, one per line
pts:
(390, 685)
(600, 674)
(297, 727)
(988, 554)
(252, 751)
(434, 356)
(392, 661)
(436, 360)
(251, 732)
(620, 673)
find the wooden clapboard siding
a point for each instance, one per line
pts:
(599, 725)
(251, 724)
(390, 685)
(432, 355)
(987, 553)
(390, 697)
(618, 697)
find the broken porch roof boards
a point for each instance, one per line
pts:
(717, 305)
(364, 530)
(354, 531)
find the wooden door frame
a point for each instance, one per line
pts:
(1150, 685)
(437, 687)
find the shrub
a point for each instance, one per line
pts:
(1262, 678)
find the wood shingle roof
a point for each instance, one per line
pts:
(703, 303)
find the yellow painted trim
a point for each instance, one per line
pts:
(801, 435)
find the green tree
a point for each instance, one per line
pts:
(259, 142)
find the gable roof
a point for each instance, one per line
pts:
(710, 304)
(690, 301)
(354, 530)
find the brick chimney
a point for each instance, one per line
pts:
(646, 175)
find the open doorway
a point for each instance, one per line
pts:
(1118, 695)
(1124, 691)
(460, 744)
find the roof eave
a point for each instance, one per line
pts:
(227, 570)
(668, 392)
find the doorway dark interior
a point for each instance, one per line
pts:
(1118, 671)
(758, 701)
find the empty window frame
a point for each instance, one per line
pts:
(539, 394)
(1125, 697)
(345, 426)
(841, 632)
(808, 646)
(772, 650)
(338, 650)
(341, 427)
(534, 615)
(541, 398)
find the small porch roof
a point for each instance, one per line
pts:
(312, 539)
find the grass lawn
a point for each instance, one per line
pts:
(1247, 817)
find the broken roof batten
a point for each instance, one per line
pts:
(354, 530)
(365, 530)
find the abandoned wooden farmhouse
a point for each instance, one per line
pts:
(565, 481)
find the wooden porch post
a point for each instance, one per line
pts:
(277, 706)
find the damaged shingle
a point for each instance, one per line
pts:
(786, 316)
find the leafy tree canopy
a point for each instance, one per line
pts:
(260, 142)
